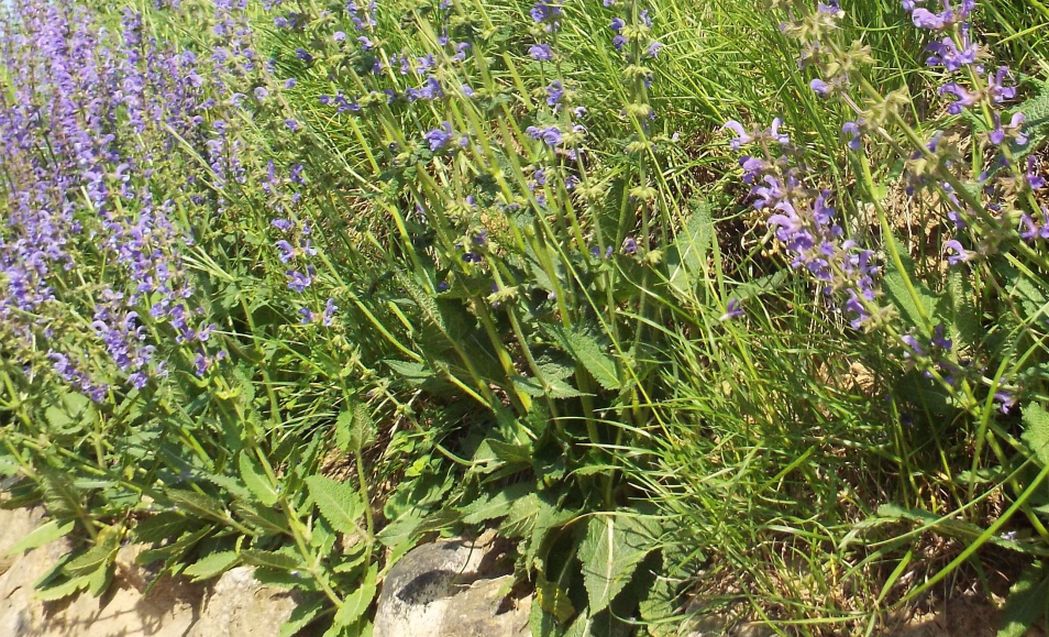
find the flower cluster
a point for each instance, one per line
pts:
(109, 110)
(804, 222)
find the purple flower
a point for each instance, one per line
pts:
(546, 13)
(805, 224)
(733, 310)
(945, 52)
(555, 92)
(1005, 400)
(742, 137)
(956, 253)
(438, 138)
(1034, 179)
(549, 135)
(752, 168)
(297, 281)
(853, 131)
(541, 52)
(999, 91)
(820, 87)
(925, 19)
(962, 98)
(328, 315)
(287, 252)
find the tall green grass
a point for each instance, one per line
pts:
(501, 358)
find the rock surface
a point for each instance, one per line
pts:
(450, 588)
(235, 605)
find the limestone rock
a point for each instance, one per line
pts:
(234, 606)
(237, 605)
(450, 588)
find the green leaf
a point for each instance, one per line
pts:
(687, 258)
(98, 580)
(198, 503)
(70, 412)
(99, 556)
(610, 552)
(212, 565)
(959, 529)
(355, 429)
(910, 296)
(256, 481)
(416, 374)
(41, 535)
(263, 519)
(549, 518)
(337, 502)
(271, 559)
(589, 353)
(173, 553)
(62, 589)
(495, 505)
(356, 603)
(554, 600)
(1036, 109)
(1036, 432)
(1028, 602)
(302, 616)
(557, 388)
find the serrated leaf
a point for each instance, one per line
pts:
(688, 257)
(415, 373)
(173, 552)
(271, 559)
(495, 505)
(355, 428)
(556, 388)
(212, 565)
(262, 519)
(520, 519)
(1036, 109)
(910, 296)
(1028, 602)
(356, 603)
(99, 556)
(1036, 431)
(63, 589)
(70, 412)
(302, 615)
(338, 502)
(548, 519)
(256, 480)
(197, 503)
(610, 552)
(554, 600)
(588, 352)
(99, 580)
(41, 535)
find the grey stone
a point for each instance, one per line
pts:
(234, 606)
(237, 604)
(450, 588)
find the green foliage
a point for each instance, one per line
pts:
(537, 341)
(610, 553)
(1027, 604)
